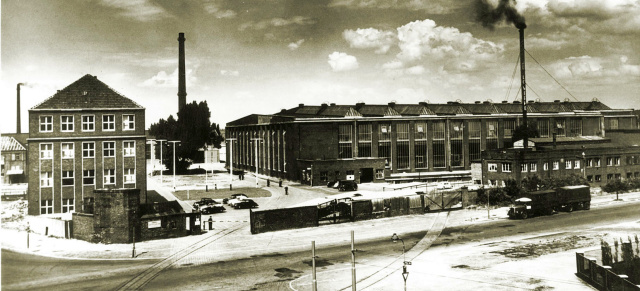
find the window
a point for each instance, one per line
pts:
(596, 162)
(67, 205)
(616, 161)
(589, 178)
(88, 177)
(506, 167)
(492, 135)
(533, 167)
(108, 122)
(129, 176)
(364, 140)
(384, 143)
(609, 161)
(129, 148)
(66, 123)
(109, 149)
(87, 205)
(16, 157)
(420, 144)
(613, 123)
(556, 165)
(456, 146)
(88, 149)
(609, 177)
(128, 122)
(492, 167)
(67, 178)
(543, 127)
(567, 164)
(46, 206)
(576, 164)
(67, 150)
(88, 123)
(345, 141)
(618, 176)
(46, 179)
(324, 176)
(402, 146)
(589, 163)
(46, 151)
(439, 151)
(560, 127)
(523, 168)
(475, 132)
(574, 127)
(46, 123)
(379, 173)
(109, 176)
(545, 167)
(598, 178)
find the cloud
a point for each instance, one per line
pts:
(426, 43)
(370, 38)
(140, 10)
(213, 8)
(588, 68)
(340, 62)
(276, 22)
(164, 80)
(295, 45)
(431, 6)
(229, 73)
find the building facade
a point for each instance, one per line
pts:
(14, 156)
(400, 142)
(599, 160)
(86, 136)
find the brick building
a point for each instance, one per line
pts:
(86, 136)
(400, 142)
(598, 159)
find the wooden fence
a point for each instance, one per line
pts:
(602, 277)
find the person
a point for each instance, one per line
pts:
(286, 190)
(210, 222)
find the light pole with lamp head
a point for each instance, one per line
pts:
(152, 144)
(231, 140)
(174, 162)
(257, 140)
(161, 161)
(405, 273)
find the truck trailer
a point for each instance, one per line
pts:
(547, 202)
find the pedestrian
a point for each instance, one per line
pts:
(268, 182)
(210, 223)
(280, 183)
(286, 190)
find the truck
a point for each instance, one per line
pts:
(546, 202)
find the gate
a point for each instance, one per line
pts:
(335, 211)
(443, 200)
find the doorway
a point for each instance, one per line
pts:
(366, 175)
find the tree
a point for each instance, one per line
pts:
(193, 129)
(520, 132)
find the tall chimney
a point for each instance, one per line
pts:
(18, 130)
(182, 86)
(523, 83)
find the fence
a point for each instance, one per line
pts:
(602, 277)
(13, 195)
(347, 210)
(50, 226)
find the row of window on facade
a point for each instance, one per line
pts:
(88, 149)
(13, 157)
(88, 177)
(46, 205)
(568, 164)
(270, 149)
(88, 123)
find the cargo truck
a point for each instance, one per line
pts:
(547, 202)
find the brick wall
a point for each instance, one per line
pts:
(83, 226)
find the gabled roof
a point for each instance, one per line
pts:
(11, 144)
(412, 109)
(376, 110)
(448, 109)
(338, 111)
(87, 93)
(482, 108)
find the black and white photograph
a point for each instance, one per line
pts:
(310, 145)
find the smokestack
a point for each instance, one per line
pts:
(521, 26)
(18, 129)
(182, 86)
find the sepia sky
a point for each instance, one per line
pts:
(260, 56)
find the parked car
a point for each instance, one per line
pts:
(347, 185)
(444, 185)
(245, 203)
(237, 196)
(204, 201)
(212, 208)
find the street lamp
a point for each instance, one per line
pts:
(152, 144)
(257, 139)
(174, 162)
(405, 274)
(231, 140)
(161, 161)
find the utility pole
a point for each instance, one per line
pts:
(314, 282)
(174, 162)
(353, 263)
(231, 140)
(257, 139)
(161, 161)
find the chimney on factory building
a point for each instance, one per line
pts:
(521, 26)
(18, 129)
(182, 86)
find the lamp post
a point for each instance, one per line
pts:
(405, 273)
(133, 251)
(231, 140)
(161, 161)
(257, 139)
(152, 143)
(174, 162)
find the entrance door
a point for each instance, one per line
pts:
(366, 175)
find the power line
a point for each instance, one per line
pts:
(551, 76)
(513, 76)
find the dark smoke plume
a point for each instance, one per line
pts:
(489, 16)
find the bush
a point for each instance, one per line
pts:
(615, 186)
(497, 196)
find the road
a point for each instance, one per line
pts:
(282, 271)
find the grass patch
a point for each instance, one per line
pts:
(221, 193)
